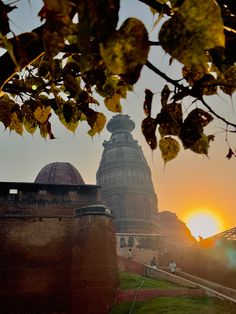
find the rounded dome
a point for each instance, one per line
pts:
(59, 173)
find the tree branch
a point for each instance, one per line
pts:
(188, 92)
(154, 43)
(164, 8)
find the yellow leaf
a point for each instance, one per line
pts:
(169, 148)
(113, 103)
(98, 124)
(43, 130)
(16, 124)
(30, 125)
(41, 114)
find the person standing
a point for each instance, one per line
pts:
(172, 266)
(154, 262)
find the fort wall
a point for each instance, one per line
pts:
(55, 255)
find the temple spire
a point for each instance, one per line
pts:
(125, 179)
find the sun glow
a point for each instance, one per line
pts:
(203, 223)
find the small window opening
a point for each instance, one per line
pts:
(13, 191)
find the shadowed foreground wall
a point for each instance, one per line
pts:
(58, 265)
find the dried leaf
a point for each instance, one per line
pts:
(192, 129)
(149, 131)
(98, 124)
(207, 85)
(230, 154)
(229, 81)
(165, 93)
(4, 20)
(170, 119)
(193, 73)
(201, 146)
(42, 114)
(147, 105)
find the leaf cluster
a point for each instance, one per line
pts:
(170, 122)
(76, 60)
(60, 67)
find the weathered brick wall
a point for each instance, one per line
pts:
(45, 199)
(57, 265)
(35, 263)
(94, 270)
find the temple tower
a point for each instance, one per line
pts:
(125, 179)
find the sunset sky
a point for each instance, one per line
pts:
(185, 185)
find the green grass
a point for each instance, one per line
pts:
(168, 305)
(177, 305)
(133, 281)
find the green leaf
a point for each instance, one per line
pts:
(196, 27)
(127, 48)
(169, 148)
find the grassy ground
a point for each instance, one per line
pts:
(133, 281)
(177, 305)
(168, 305)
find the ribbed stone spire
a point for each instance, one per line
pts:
(125, 179)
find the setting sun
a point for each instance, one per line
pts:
(203, 223)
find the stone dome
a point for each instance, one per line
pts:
(59, 173)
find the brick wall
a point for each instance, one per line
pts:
(57, 265)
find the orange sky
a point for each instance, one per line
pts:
(187, 183)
